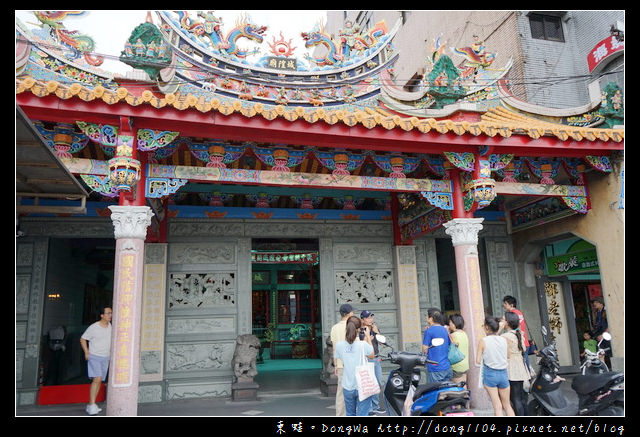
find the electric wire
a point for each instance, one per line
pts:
(540, 83)
(529, 81)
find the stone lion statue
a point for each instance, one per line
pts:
(328, 368)
(244, 357)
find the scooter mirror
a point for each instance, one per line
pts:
(381, 338)
(606, 336)
(437, 342)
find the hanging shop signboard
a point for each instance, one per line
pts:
(604, 49)
(573, 263)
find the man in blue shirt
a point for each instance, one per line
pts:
(441, 371)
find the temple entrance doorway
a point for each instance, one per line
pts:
(79, 282)
(286, 313)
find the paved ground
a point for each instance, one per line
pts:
(306, 404)
(281, 394)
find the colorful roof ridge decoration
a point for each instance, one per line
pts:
(44, 77)
(208, 63)
(496, 121)
(445, 87)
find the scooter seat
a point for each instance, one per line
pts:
(585, 384)
(432, 386)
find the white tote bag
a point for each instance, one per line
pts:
(366, 378)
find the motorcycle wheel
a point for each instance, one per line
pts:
(535, 409)
(616, 409)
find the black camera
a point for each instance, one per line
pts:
(361, 334)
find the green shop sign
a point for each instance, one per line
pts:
(572, 263)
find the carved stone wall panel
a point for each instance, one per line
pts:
(23, 285)
(201, 325)
(19, 364)
(150, 363)
(183, 357)
(24, 255)
(427, 265)
(501, 269)
(150, 393)
(154, 294)
(198, 389)
(21, 332)
(204, 228)
(204, 253)
(69, 227)
(362, 253)
(199, 228)
(155, 254)
(244, 287)
(201, 290)
(361, 287)
(30, 283)
(386, 320)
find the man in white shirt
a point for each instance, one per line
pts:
(97, 353)
(337, 335)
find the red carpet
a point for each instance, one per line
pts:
(68, 394)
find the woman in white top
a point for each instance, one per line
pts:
(492, 355)
(350, 351)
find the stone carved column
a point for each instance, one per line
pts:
(464, 236)
(130, 229)
(408, 299)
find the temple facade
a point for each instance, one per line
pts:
(223, 191)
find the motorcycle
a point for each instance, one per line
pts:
(407, 397)
(593, 363)
(593, 394)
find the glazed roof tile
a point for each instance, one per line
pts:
(496, 121)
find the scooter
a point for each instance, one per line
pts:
(592, 364)
(592, 395)
(407, 398)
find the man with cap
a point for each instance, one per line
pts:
(367, 320)
(338, 333)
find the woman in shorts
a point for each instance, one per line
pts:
(492, 356)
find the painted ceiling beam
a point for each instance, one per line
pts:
(300, 132)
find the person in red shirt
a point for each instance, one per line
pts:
(509, 303)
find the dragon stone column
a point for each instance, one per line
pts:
(130, 229)
(464, 236)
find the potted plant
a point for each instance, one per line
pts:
(270, 333)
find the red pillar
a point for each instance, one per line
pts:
(131, 218)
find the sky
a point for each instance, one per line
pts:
(110, 28)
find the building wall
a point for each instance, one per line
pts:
(199, 323)
(557, 60)
(546, 73)
(602, 226)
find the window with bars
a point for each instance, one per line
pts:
(547, 27)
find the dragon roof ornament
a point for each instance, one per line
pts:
(447, 87)
(226, 85)
(59, 50)
(347, 70)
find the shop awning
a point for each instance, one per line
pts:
(41, 175)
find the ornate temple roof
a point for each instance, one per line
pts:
(496, 121)
(207, 75)
(208, 118)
